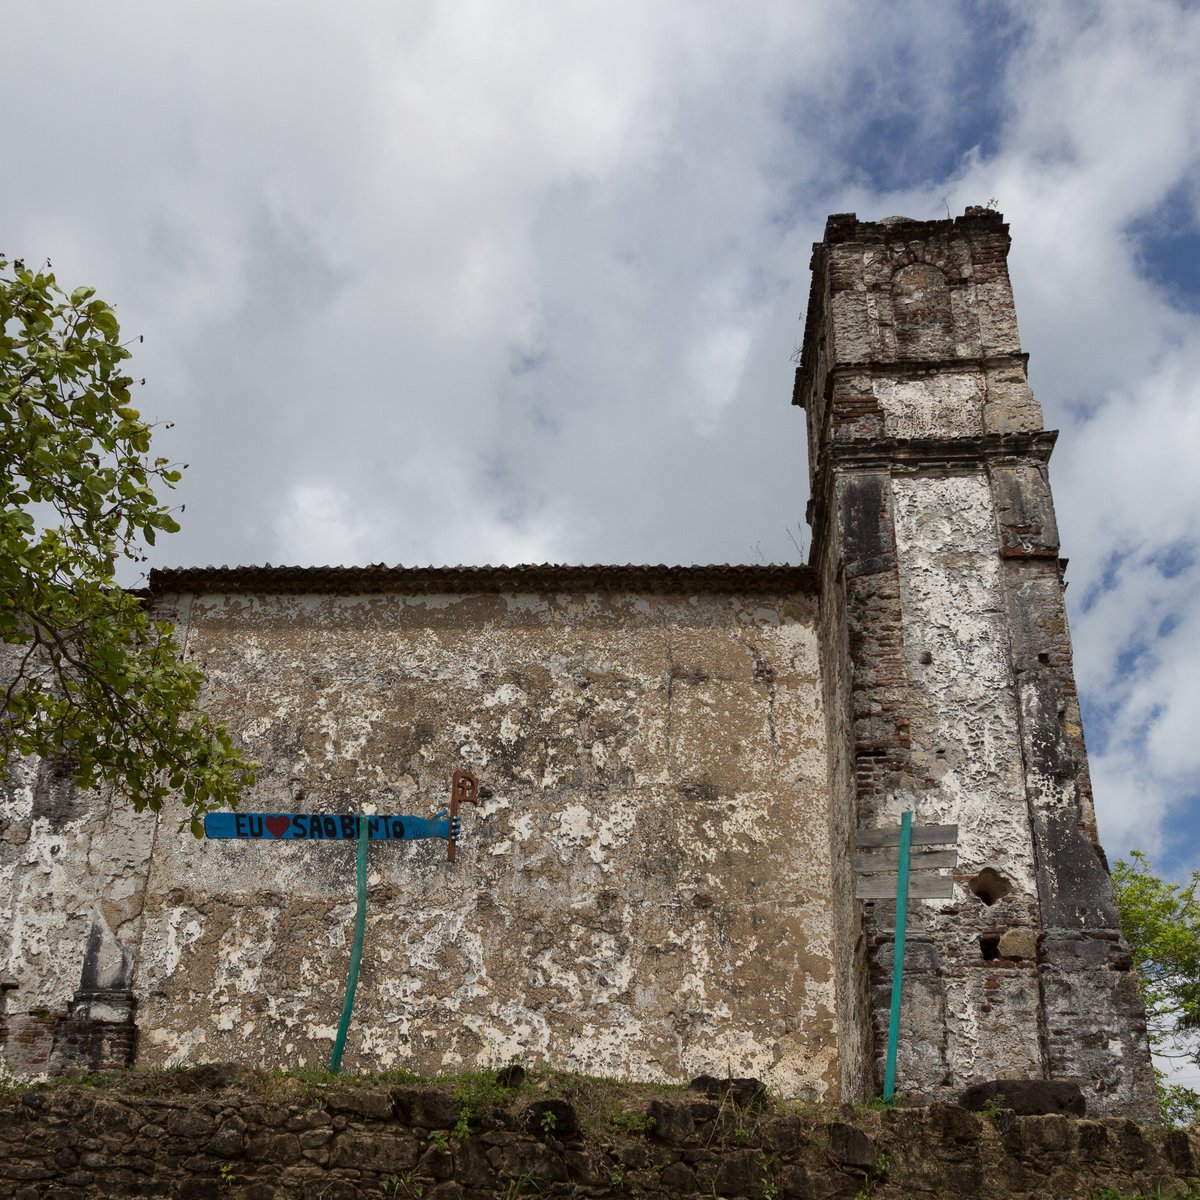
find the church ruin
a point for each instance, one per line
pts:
(661, 881)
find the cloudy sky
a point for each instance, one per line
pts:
(472, 281)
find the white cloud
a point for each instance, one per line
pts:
(319, 526)
(1106, 125)
(471, 282)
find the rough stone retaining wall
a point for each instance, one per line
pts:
(198, 1133)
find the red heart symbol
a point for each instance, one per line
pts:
(278, 825)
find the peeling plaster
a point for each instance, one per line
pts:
(645, 891)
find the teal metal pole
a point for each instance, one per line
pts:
(360, 928)
(889, 1079)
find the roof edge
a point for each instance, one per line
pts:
(529, 577)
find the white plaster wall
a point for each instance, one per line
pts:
(965, 729)
(645, 894)
(932, 405)
(58, 878)
(965, 738)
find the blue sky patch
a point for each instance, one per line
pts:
(902, 132)
(1167, 248)
(1173, 560)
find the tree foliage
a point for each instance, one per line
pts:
(90, 681)
(1161, 921)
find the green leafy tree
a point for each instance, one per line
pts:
(1161, 921)
(89, 680)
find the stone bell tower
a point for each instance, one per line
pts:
(949, 687)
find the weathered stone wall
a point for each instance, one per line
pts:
(72, 877)
(647, 891)
(275, 1141)
(966, 762)
(938, 548)
(837, 673)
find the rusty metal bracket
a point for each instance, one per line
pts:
(464, 789)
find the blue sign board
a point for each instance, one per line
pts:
(324, 827)
(321, 827)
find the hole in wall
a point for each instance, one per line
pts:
(1044, 659)
(989, 946)
(989, 885)
(926, 658)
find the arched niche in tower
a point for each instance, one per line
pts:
(921, 311)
